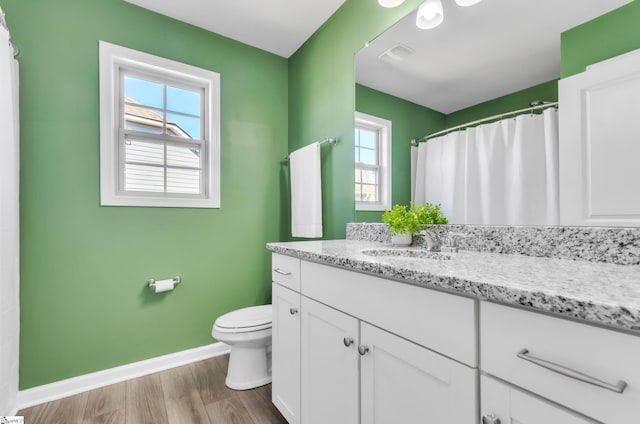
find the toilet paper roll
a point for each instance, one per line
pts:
(163, 286)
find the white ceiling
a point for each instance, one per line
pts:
(479, 53)
(277, 26)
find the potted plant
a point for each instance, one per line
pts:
(429, 214)
(402, 223)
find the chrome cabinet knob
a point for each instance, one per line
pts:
(293, 311)
(490, 419)
(362, 349)
(348, 341)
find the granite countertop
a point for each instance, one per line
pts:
(600, 293)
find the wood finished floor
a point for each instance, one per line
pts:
(193, 393)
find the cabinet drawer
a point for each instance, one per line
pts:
(439, 321)
(603, 354)
(285, 270)
(511, 405)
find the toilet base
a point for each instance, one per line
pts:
(248, 368)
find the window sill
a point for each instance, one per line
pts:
(364, 207)
(159, 202)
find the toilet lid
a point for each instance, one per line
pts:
(253, 316)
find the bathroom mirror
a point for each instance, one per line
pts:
(493, 49)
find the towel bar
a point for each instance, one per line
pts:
(327, 141)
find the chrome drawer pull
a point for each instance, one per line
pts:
(568, 372)
(281, 272)
(293, 311)
(348, 341)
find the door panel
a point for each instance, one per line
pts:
(329, 368)
(286, 352)
(405, 383)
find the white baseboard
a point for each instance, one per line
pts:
(82, 383)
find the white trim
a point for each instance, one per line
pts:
(83, 383)
(385, 128)
(112, 59)
(625, 56)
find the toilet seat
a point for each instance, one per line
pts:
(248, 332)
(245, 320)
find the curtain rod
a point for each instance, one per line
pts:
(534, 106)
(327, 141)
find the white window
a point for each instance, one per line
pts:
(373, 163)
(159, 131)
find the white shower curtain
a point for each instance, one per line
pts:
(9, 226)
(503, 173)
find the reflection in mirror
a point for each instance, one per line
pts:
(372, 163)
(489, 59)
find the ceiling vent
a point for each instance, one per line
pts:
(396, 54)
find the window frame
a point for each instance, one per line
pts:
(116, 62)
(384, 128)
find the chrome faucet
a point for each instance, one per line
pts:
(451, 245)
(433, 241)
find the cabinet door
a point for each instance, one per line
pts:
(599, 149)
(512, 406)
(406, 383)
(329, 365)
(286, 352)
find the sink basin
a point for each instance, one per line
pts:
(407, 253)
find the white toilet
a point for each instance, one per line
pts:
(248, 332)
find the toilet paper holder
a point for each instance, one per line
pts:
(151, 283)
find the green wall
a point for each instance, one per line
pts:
(609, 35)
(83, 304)
(84, 307)
(322, 99)
(409, 121)
(547, 91)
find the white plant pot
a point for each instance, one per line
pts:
(403, 239)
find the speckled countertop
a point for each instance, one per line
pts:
(600, 293)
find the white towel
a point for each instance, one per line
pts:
(306, 192)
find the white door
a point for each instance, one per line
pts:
(406, 383)
(512, 406)
(285, 367)
(599, 148)
(330, 377)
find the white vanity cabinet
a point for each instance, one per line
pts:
(379, 351)
(351, 348)
(397, 380)
(285, 366)
(590, 370)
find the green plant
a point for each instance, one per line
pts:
(401, 219)
(429, 214)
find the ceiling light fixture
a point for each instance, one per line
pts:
(390, 3)
(466, 3)
(430, 14)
